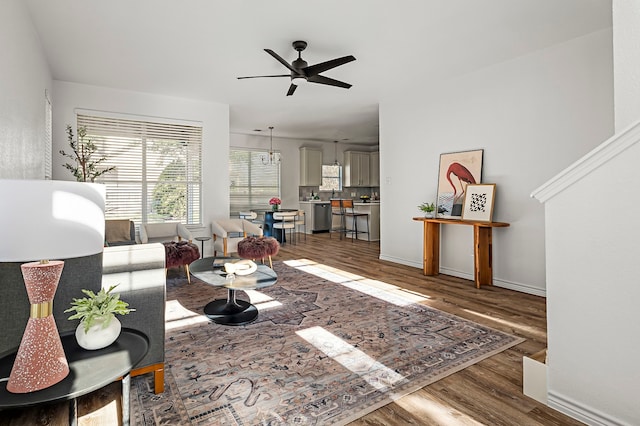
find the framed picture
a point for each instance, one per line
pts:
(478, 202)
(457, 170)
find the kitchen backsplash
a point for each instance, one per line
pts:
(304, 193)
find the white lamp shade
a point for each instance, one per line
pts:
(49, 219)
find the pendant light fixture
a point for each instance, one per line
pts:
(272, 158)
(335, 153)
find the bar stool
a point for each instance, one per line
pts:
(337, 211)
(349, 211)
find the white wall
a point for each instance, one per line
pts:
(533, 116)
(626, 60)
(213, 117)
(592, 303)
(24, 77)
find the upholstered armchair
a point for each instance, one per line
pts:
(162, 232)
(227, 233)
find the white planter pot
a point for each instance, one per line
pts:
(98, 337)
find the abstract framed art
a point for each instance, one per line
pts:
(478, 202)
(457, 170)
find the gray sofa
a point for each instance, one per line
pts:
(137, 269)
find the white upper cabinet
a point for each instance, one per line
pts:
(356, 168)
(310, 166)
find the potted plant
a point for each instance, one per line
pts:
(84, 168)
(98, 326)
(427, 208)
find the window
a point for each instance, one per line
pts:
(331, 178)
(158, 168)
(252, 183)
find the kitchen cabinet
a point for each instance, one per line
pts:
(374, 168)
(356, 168)
(310, 166)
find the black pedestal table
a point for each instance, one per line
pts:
(88, 371)
(231, 311)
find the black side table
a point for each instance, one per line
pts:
(89, 371)
(202, 240)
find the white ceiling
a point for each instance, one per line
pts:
(196, 49)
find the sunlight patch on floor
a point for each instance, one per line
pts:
(378, 289)
(514, 325)
(177, 316)
(373, 372)
(109, 412)
(423, 408)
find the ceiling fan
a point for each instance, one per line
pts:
(302, 73)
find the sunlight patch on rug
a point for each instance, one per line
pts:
(374, 373)
(177, 316)
(383, 291)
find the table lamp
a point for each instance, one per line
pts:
(46, 219)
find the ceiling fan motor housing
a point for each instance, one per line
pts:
(299, 45)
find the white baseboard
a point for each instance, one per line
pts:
(582, 413)
(523, 288)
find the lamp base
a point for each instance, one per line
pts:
(40, 361)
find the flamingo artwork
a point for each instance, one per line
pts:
(463, 174)
(456, 171)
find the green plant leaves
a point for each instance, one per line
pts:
(102, 305)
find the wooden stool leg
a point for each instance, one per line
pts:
(186, 267)
(270, 263)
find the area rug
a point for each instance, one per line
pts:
(326, 348)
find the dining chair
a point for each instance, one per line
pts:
(300, 220)
(284, 221)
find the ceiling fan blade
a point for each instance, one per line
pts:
(282, 61)
(320, 79)
(292, 89)
(262, 76)
(316, 69)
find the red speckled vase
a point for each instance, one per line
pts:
(40, 361)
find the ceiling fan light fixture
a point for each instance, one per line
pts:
(298, 81)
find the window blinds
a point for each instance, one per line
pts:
(158, 168)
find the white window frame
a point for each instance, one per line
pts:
(325, 186)
(127, 139)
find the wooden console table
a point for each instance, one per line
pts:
(482, 250)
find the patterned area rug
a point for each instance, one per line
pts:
(326, 348)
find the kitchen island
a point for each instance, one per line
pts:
(373, 210)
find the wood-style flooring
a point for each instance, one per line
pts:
(487, 393)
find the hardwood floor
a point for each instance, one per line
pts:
(487, 393)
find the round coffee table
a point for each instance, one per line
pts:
(231, 311)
